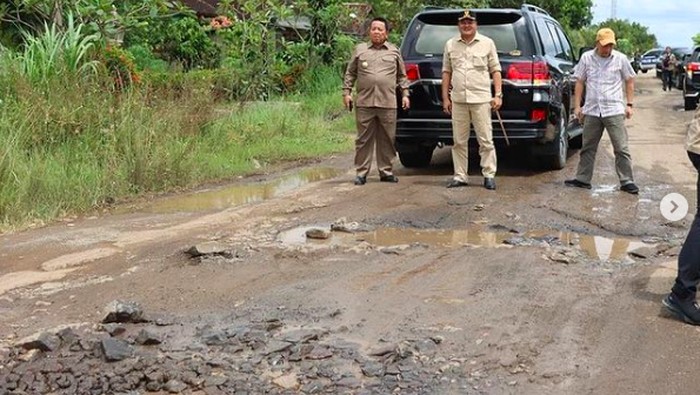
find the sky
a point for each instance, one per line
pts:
(673, 22)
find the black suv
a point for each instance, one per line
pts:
(691, 82)
(537, 62)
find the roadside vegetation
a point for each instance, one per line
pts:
(101, 101)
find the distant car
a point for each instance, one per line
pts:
(649, 58)
(679, 53)
(691, 81)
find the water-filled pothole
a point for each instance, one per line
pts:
(595, 247)
(238, 194)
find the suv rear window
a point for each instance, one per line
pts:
(654, 52)
(428, 34)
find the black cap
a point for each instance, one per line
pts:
(467, 15)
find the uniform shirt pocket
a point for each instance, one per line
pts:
(480, 61)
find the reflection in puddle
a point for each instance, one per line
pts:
(237, 195)
(595, 247)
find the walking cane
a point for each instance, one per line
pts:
(503, 128)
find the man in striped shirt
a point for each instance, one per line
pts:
(606, 75)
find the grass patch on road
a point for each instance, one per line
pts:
(69, 144)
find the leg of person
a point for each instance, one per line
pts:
(663, 79)
(592, 133)
(615, 125)
(460, 150)
(681, 300)
(386, 152)
(481, 116)
(364, 143)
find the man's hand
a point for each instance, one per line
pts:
(496, 103)
(447, 106)
(405, 103)
(628, 112)
(347, 102)
(578, 114)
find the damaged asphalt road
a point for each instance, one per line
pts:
(300, 282)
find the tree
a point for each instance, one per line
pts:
(570, 13)
(696, 39)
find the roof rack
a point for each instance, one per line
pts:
(534, 8)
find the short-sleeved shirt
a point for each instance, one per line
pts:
(378, 71)
(604, 78)
(693, 140)
(471, 65)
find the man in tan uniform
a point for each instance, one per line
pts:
(681, 300)
(378, 68)
(468, 61)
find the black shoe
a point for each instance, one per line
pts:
(359, 180)
(630, 188)
(489, 183)
(578, 184)
(687, 311)
(389, 178)
(456, 184)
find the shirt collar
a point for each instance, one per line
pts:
(477, 37)
(383, 46)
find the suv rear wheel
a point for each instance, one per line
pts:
(416, 156)
(558, 149)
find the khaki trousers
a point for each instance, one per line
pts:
(375, 127)
(592, 133)
(478, 114)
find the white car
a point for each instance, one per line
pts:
(649, 58)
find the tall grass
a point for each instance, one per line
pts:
(56, 51)
(68, 145)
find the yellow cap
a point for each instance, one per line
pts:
(605, 36)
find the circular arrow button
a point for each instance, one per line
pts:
(674, 207)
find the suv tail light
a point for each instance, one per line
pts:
(691, 67)
(412, 72)
(538, 115)
(536, 73)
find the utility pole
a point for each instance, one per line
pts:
(613, 9)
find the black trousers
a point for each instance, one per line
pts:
(688, 277)
(666, 78)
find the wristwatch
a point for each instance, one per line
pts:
(499, 94)
(630, 105)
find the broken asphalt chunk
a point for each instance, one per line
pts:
(318, 234)
(40, 341)
(116, 350)
(122, 311)
(210, 248)
(148, 338)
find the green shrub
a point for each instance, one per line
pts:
(182, 40)
(146, 60)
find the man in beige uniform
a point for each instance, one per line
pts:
(378, 68)
(466, 64)
(681, 300)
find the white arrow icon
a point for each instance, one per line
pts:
(674, 207)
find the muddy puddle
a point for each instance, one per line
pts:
(595, 247)
(236, 195)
